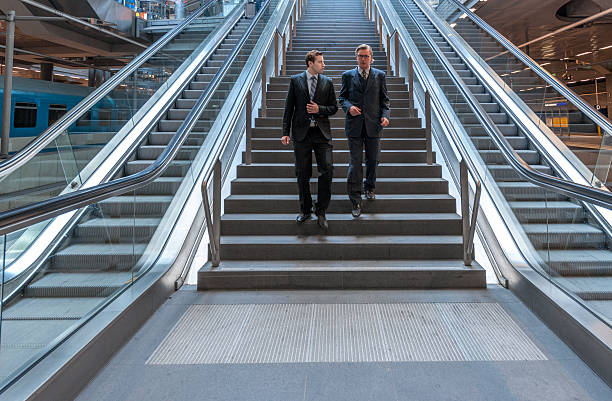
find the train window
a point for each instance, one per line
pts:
(56, 111)
(104, 117)
(84, 120)
(25, 115)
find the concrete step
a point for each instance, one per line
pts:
(287, 170)
(278, 186)
(328, 247)
(340, 156)
(343, 224)
(345, 274)
(342, 144)
(403, 203)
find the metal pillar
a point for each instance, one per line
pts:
(8, 84)
(46, 71)
(249, 128)
(428, 128)
(410, 84)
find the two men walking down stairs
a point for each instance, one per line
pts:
(311, 100)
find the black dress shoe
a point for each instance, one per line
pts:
(370, 195)
(302, 217)
(322, 221)
(356, 212)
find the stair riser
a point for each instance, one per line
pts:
(323, 251)
(342, 144)
(352, 227)
(339, 132)
(340, 157)
(255, 171)
(263, 205)
(426, 279)
(338, 188)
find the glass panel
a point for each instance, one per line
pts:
(112, 242)
(554, 231)
(580, 134)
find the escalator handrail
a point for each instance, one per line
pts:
(25, 216)
(51, 133)
(559, 86)
(585, 193)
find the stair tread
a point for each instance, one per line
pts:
(341, 239)
(341, 265)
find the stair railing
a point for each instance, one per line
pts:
(214, 171)
(466, 167)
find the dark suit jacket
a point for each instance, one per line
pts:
(371, 98)
(296, 119)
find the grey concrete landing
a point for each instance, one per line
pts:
(519, 358)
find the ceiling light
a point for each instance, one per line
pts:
(571, 82)
(604, 48)
(472, 9)
(463, 16)
(453, 25)
(584, 80)
(582, 54)
(541, 65)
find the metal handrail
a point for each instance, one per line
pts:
(213, 221)
(25, 216)
(582, 192)
(48, 135)
(566, 92)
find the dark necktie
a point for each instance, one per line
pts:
(313, 86)
(364, 74)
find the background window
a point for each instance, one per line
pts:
(25, 115)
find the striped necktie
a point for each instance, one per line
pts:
(313, 86)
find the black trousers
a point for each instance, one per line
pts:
(355, 171)
(323, 151)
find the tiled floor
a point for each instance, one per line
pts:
(561, 376)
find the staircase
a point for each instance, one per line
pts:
(99, 256)
(575, 250)
(409, 237)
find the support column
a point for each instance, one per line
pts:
(8, 84)
(46, 71)
(609, 94)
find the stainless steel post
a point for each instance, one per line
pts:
(428, 128)
(263, 86)
(8, 84)
(410, 83)
(276, 53)
(465, 210)
(217, 212)
(284, 65)
(249, 129)
(397, 54)
(388, 54)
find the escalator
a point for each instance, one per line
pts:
(570, 239)
(60, 271)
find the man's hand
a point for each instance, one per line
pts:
(384, 121)
(285, 140)
(355, 111)
(312, 108)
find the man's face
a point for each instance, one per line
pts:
(318, 66)
(364, 58)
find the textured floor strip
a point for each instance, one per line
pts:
(301, 333)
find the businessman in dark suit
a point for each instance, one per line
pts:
(364, 99)
(310, 101)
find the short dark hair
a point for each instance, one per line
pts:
(312, 56)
